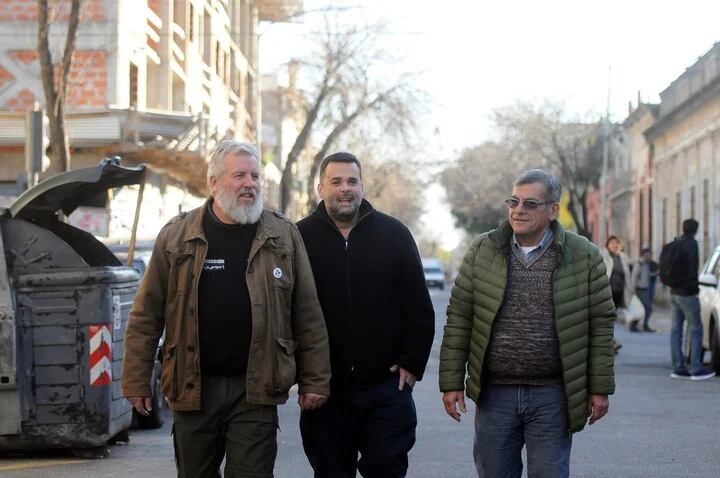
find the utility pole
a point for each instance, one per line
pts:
(36, 143)
(603, 174)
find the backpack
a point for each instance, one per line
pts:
(671, 268)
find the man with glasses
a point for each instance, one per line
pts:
(531, 321)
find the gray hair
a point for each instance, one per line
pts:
(553, 187)
(216, 164)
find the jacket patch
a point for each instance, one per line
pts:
(214, 265)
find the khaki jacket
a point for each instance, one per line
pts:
(289, 341)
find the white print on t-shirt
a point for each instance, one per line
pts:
(214, 265)
(277, 273)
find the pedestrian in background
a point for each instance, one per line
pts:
(530, 325)
(685, 305)
(644, 277)
(380, 322)
(231, 285)
(617, 266)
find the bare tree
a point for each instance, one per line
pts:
(477, 183)
(390, 106)
(544, 136)
(56, 88)
(347, 91)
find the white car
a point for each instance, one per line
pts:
(434, 273)
(710, 307)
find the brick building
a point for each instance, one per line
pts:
(154, 81)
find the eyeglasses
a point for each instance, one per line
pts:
(528, 204)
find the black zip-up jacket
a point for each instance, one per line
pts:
(373, 295)
(690, 255)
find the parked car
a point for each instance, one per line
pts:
(710, 307)
(434, 272)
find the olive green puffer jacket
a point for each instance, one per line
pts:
(584, 315)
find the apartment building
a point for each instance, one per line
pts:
(153, 81)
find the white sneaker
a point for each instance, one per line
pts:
(703, 375)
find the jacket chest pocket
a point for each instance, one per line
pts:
(181, 275)
(278, 265)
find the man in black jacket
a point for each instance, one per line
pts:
(686, 305)
(380, 322)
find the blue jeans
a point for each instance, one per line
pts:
(510, 416)
(686, 307)
(646, 299)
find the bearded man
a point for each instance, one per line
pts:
(231, 286)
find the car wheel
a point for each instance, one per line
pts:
(155, 418)
(715, 346)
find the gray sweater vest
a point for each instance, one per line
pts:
(523, 347)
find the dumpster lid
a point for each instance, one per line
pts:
(72, 189)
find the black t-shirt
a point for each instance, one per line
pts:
(224, 311)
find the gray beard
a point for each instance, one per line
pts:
(237, 212)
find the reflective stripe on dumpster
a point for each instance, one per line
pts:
(100, 355)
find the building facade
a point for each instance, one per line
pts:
(684, 149)
(641, 157)
(154, 81)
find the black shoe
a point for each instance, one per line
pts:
(634, 328)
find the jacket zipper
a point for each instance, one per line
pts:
(347, 263)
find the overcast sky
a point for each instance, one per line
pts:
(479, 55)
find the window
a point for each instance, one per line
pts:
(716, 264)
(650, 216)
(692, 201)
(641, 216)
(191, 24)
(664, 221)
(678, 211)
(206, 37)
(133, 86)
(705, 218)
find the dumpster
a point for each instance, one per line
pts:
(64, 303)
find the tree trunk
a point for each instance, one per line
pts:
(300, 143)
(56, 92)
(320, 155)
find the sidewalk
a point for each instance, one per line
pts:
(661, 319)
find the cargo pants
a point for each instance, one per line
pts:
(228, 427)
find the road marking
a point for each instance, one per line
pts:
(38, 464)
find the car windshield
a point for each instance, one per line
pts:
(433, 270)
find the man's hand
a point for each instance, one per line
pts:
(454, 404)
(311, 401)
(597, 407)
(405, 377)
(143, 405)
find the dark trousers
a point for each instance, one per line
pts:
(229, 427)
(378, 421)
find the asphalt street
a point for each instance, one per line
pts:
(657, 427)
